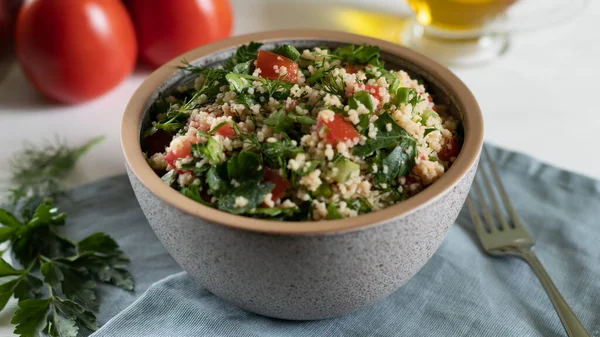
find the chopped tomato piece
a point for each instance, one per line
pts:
(373, 90)
(181, 150)
(226, 131)
(170, 158)
(339, 129)
(268, 61)
(281, 184)
(450, 149)
(354, 68)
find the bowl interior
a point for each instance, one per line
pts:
(440, 82)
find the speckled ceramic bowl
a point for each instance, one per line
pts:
(304, 270)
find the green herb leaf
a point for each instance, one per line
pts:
(211, 150)
(76, 285)
(360, 204)
(7, 270)
(7, 233)
(9, 220)
(239, 83)
(362, 55)
(364, 98)
(7, 289)
(302, 119)
(170, 177)
(408, 96)
(245, 99)
(31, 317)
(399, 162)
(397, 136)
(101, 256)
(46, 215)
(243, 54)
(277, 154)
(281, 121)
(245, 166)
(242, 68)
(28, 286)
(363, 123)
(428, 131)
(272, 212)
(322, 191)
(52, 274)
(394, 83)
(187, 66)
(38, 237)
(72, 309)
(427, 114)
(217, 181)
(288, 51)
(193, 192)
(253, 193)
(332, 212)
(60, 326)
(100, 243)
(107, 268)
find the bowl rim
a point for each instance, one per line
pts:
(132, 151)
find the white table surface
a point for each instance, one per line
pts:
(539, 98)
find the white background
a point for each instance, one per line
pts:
(539, 98)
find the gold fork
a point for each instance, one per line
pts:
(507, 236)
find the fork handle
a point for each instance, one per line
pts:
(568, 318)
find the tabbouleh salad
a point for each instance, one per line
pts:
(289, 135)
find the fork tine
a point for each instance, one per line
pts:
(479, 228)
(484, 207)
(490, 192)
(503, 194)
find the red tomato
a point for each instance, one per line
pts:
(373, 90)
(339, 129)
(170, 158)
(226, 131)
(266, 61)
(182, 151)
(354, 68)
(281, 185)
(450, 149)
(168, 28)
(185, 149)
(75, 50)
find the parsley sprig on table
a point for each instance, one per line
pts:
(56, 284)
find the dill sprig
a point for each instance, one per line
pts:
(187, 66)
(38, 173)
(334, 85)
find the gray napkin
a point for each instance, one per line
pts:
(459, 292)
